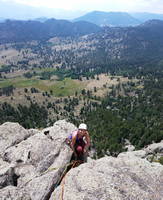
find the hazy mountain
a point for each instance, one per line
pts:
(16, 31)
(11, 10)
(153, 24)
(147, 16)
(109, 18)
(41, 19)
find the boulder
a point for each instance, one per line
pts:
(113, 178)
(39, 160)
(154, 152)
(51, 167)
(24, 173)
(6, 174)
(155, 148)
(12, 134)
(30, 151)
(130, 154)
(42, 147)
(42, 186)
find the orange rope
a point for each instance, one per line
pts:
(63, 180)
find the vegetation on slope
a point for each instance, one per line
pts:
(130, 110)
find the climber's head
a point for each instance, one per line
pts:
(82, 129)
(82, 126)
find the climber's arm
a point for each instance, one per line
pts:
(73, 142)
(87, 138)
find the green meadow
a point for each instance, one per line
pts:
(63, 88)
(18, 82)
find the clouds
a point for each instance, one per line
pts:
(153, 6)
(105, 5)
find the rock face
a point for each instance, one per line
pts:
(113, 178)
(32, 163)
(152, 152)
(12, 134)
(27, 157)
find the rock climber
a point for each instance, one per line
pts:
(80, 142)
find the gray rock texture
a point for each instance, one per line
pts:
(12, 134)
(152, 152)
(32, 163)
(13, 193)
(122, 178)
(155, 148)
(33, 160)
(6, 174)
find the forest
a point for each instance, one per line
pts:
(51, 77)
(136, 116)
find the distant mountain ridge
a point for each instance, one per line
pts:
(109, 18)
(123, 44)
(120, 19)
(18, 31)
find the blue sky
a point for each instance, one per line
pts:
(155, 6)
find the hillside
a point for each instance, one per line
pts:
(109, 19)
(21, 31)
(133, 44)
(142, 44)
(113, 76)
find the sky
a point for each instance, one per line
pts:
(69, 9)
(155, 6)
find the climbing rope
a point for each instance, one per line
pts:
(75, 164)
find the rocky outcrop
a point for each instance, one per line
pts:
(12, 134)
(152, 152)
(27, 162)
(32, 163)
(120, 178)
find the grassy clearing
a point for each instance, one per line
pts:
(49, 69)
(66, 87)
(18, 82)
